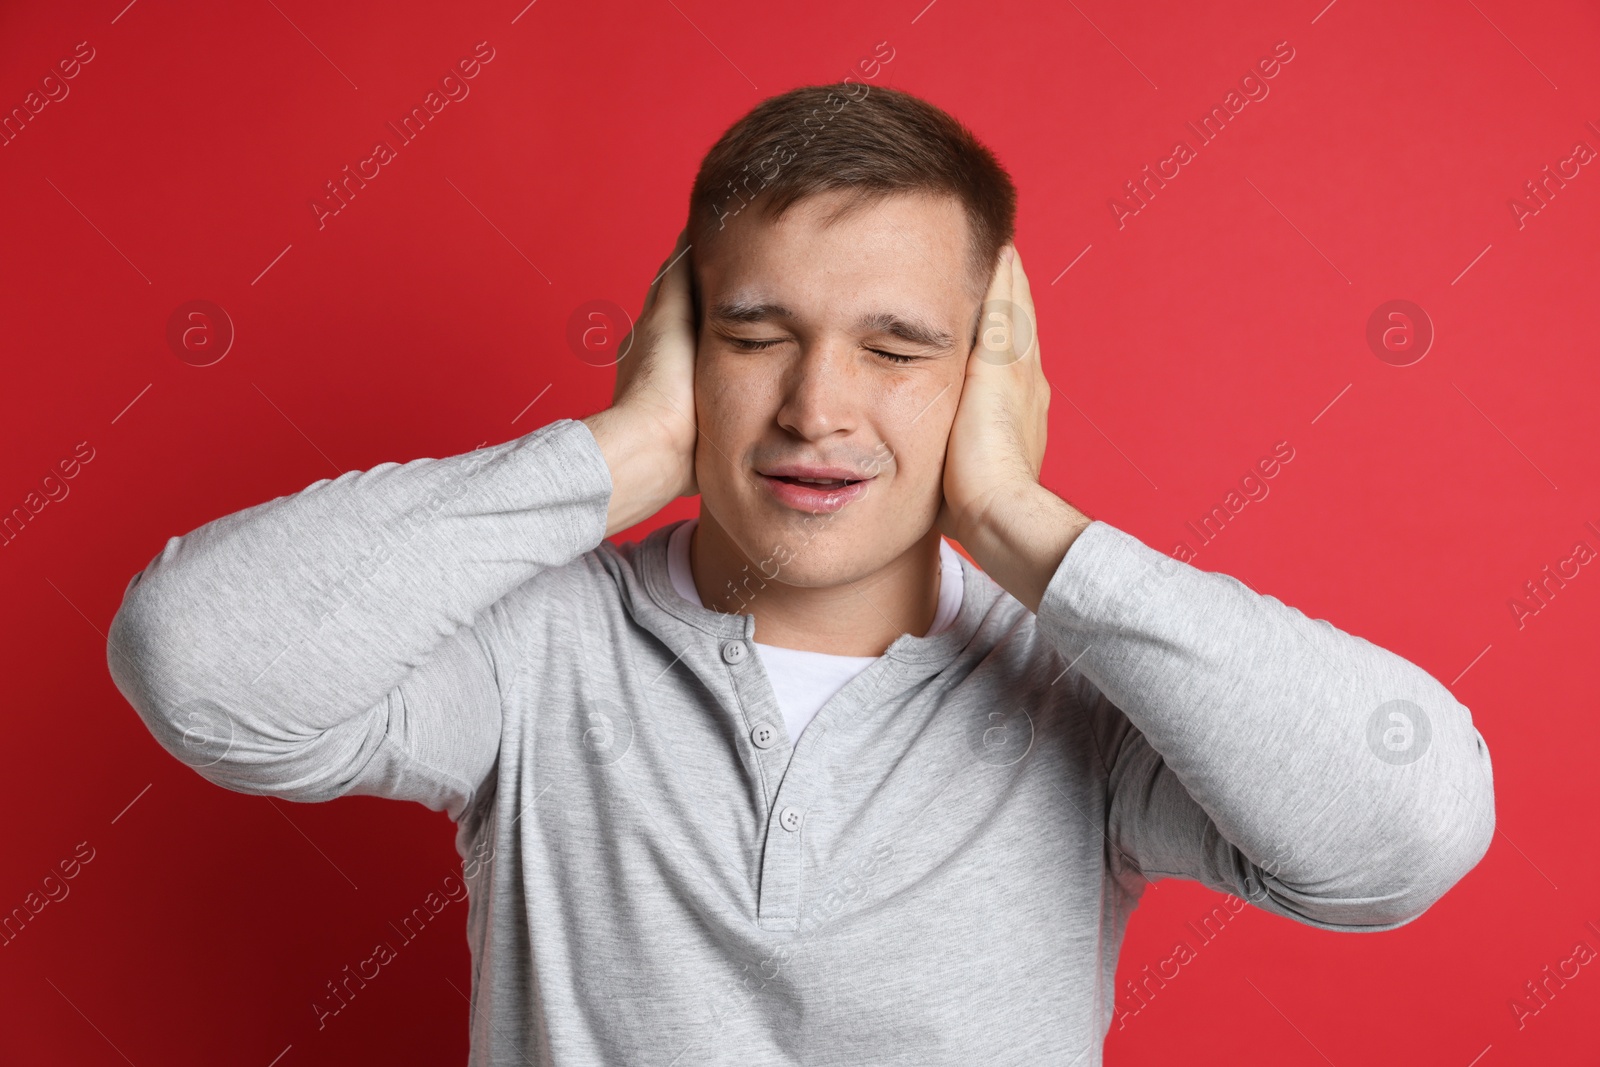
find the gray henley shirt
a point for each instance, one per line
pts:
(939, 871)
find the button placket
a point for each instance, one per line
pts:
(778, 902)
(777, 894)
(808, 782)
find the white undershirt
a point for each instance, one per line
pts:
(804, 681)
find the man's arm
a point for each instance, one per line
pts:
(1246, 745)
(352, 637)
(342, 639)
(1262, 752)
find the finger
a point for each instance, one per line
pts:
(672, 286)
(665, 269)
(1023, 320)
(625, 366)
(1021, 290)
(1022, 297)
(1000, 284)
(998, 279)
(1005, 326)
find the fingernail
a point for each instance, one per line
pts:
(1007, 253)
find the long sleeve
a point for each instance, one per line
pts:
(1262, 752)
(343, 639)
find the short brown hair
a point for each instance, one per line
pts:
(874, 141)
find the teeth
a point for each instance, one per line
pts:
(818, 481)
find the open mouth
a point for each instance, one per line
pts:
(818, 483)
(814, 494)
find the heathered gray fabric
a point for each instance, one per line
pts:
(977, 812)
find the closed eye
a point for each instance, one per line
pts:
(895, 357)
(755, 346)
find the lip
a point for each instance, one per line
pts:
(807, 470)
(814, 499)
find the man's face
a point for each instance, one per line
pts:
(831, 351)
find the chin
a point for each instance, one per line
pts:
(819, 551)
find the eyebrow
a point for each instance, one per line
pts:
(908, 328)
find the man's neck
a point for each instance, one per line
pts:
(857, 618)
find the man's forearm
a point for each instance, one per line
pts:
(1274, 723)
(302, 612)
(643, 470)
(1021, 539)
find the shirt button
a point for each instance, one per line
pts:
(764, 735)
(790, 818)
(734, 652)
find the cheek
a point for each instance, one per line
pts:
(921, 412)
(919, 458)
(728, 413)
(716, 397)
(915, 425)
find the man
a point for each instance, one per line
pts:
(794, 782)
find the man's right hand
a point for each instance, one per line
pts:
(647, 435)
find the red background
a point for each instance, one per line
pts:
(1224, 317)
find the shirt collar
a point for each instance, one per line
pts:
(652, 563)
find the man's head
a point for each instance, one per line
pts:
(841, 247)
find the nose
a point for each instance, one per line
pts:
(819, 395)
